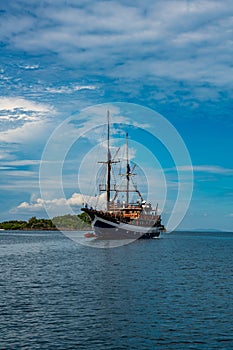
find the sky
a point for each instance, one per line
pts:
(163, 68)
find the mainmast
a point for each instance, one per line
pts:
(109, 162)
(107, 186)
(127, 170)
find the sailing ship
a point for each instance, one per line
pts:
(123, 219)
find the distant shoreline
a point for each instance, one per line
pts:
(59, 223)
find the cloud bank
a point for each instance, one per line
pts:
(174, 39)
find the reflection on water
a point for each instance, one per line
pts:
(79, 237)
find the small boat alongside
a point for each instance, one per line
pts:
(89, 235)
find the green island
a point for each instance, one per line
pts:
(65, 222)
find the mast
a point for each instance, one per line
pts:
(127, 170)
(108, 184)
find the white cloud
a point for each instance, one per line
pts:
(21, 162)
(23, 120)
(40, 204)
(61, 204)
(28, 132)
(11, 104)
(69, 90)
(29, 66)
(214, 169)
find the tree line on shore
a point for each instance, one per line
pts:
(65, 222)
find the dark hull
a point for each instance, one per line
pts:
(108, 230)
(106, 227)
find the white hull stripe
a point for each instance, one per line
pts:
(124, 226)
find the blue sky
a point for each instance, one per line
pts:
(60, 57)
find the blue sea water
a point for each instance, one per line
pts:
(170, 293)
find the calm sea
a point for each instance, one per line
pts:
(170, 293)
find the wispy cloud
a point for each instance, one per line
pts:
(30, 66)
(212, 169)
(68, 90)
(21, 162)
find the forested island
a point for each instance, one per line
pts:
(65, 222)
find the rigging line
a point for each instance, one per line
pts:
(134, 184)
(92, 184)
(115, 155)
(99, 149)
(101, 180)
